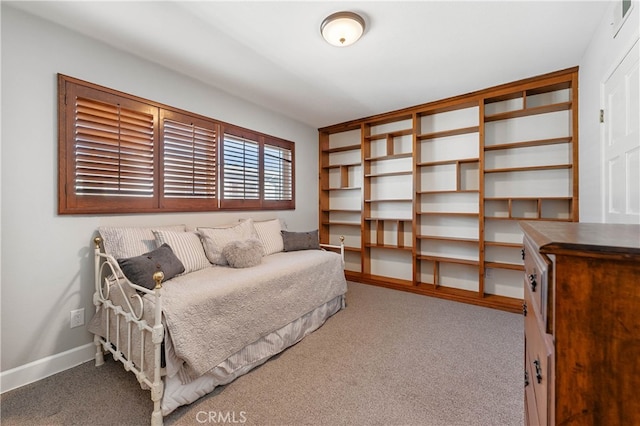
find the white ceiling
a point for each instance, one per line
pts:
(271, 52)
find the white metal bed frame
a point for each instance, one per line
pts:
(120, 348)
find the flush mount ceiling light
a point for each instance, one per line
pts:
(342, 28)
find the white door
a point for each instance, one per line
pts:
(621, 151)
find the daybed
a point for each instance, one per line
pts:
(208, 305)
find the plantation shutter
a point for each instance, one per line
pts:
(241, 172)
(189, 160)
(122, 154)
(113, 150)
(278, 173)
(106, 151)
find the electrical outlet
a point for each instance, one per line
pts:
(77, 318)
(487, 273)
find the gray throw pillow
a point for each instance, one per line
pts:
(243, 254)
(140, 269)
(300, 240)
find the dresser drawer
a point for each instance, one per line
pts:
(539, 365)
(537, 276)
(530, 409)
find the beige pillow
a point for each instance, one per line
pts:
(270, 236)
(125, 242)
(186, 246)
(215, 239)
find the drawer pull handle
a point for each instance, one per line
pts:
(522, 253)
(532, 282)
(526, 378)
(536, 364)
(524, 309)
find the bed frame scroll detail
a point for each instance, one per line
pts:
(106, 270)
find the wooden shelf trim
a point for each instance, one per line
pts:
(504, 265)
(502, 244)
(527, 198)
(452, 239)
(352, 249)
(445, 162)
(388, 219)
(341, 223)
(537, 214)
(342, 148)
(445, 133)
(337, 166)
(529, 168)
(444, 259)
(340, 210)
(544, 109)
(561, 83)
(403, 173)
(390, 200)
(392, 134)
(345, 188)
(449, 191)
(458, 214)
(449, 293)
(389, 247)
(546, 219)
(390, 156)
(524, 144)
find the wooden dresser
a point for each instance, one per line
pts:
(582, 325)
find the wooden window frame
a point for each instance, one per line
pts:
(70, 202)
(261, 203)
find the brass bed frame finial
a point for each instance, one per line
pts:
(97, 241)
(158, 277)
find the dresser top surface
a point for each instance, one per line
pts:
(595, 238)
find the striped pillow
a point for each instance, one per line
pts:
(125, 242)
(270, 236)
(186, 246)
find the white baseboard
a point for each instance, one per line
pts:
(45, 367)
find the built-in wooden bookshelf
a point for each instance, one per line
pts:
(429, 197)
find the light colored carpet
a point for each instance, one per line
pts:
(389, 358)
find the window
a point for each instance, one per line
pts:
(257, 171)
(122, 154)
(278, 173)
(189, 162)
(108, 160)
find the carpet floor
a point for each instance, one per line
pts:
(389, 358)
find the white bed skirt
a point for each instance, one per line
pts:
(177, 394)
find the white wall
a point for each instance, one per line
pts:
(598, 62)
(46, 262)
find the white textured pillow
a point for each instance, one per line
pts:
(186, 246)
(215, 239)
(125, 242)
(270, 236)
(243, 254)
